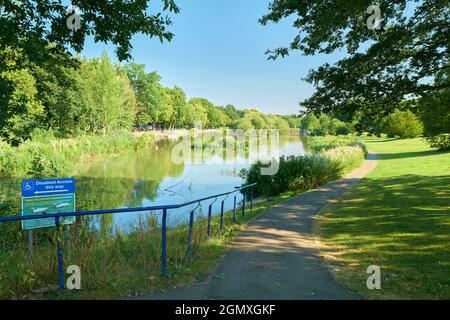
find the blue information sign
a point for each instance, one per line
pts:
(47, 196)
(37, 188)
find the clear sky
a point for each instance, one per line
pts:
(218, 53)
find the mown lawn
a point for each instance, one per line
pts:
(397, 218)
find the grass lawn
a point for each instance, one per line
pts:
(397, 218)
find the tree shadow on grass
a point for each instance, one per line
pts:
(401, 224)
(399, 155)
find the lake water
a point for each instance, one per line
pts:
(150, 177)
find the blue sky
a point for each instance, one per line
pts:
(218, 53)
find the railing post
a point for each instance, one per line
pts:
(30, 245)
(60, 255)
(191, 227)
(234, 210)
(221, 215)
(243, 205)
(251, 201)
(164, 243)
(209, 221)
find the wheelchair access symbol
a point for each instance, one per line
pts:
(29, 186)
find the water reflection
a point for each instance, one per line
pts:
(149, 177)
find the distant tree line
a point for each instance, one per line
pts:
(427, 117)
(99, 96)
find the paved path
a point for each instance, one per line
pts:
(275, 257)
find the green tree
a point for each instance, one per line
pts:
(244, 124)
(310, 123)
(108, 100)
(232, 113)
(167, 115)
(20, 109)
(404, 124)
(216, 117)
(257, 119)
(382, 65)
(149, 94)
(180, 117)
(200, 107)
(338, 127)
(32, 25)
(280, 124)
(435, 109)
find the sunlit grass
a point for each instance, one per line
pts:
(397, 218)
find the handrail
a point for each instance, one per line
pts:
(112, 211)
(164, 208)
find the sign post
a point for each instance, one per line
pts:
(47, 196)
(44, 197)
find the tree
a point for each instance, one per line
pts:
(149, 94)
(310, 123)
(167, 114)
(257, 119)
(293, 120)
(20, 110)
(244, 124)
(280, 124)
(200, 107)
(216, 117)
(181, 117)
(338, 127)
(404, 124)
(232, 113)
(31, 25)
(383, 65)
(435, 109)
(108, 100)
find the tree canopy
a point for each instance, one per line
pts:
(400, 59)
(32, 26)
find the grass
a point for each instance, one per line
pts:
(123, 265)
(397, 218)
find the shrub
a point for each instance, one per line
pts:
(304, 172)
(344, 159)
(404, 124)
(319, 144)
(441, 142)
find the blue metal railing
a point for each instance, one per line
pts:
(164, 208)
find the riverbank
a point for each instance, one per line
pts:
(398, 219)
(46, 156)
(121, 266)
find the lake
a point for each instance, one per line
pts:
(149, 177)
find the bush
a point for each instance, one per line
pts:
(319, 144)
(304, 172)
(344, 159)
(404, 124)
(441, 142)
